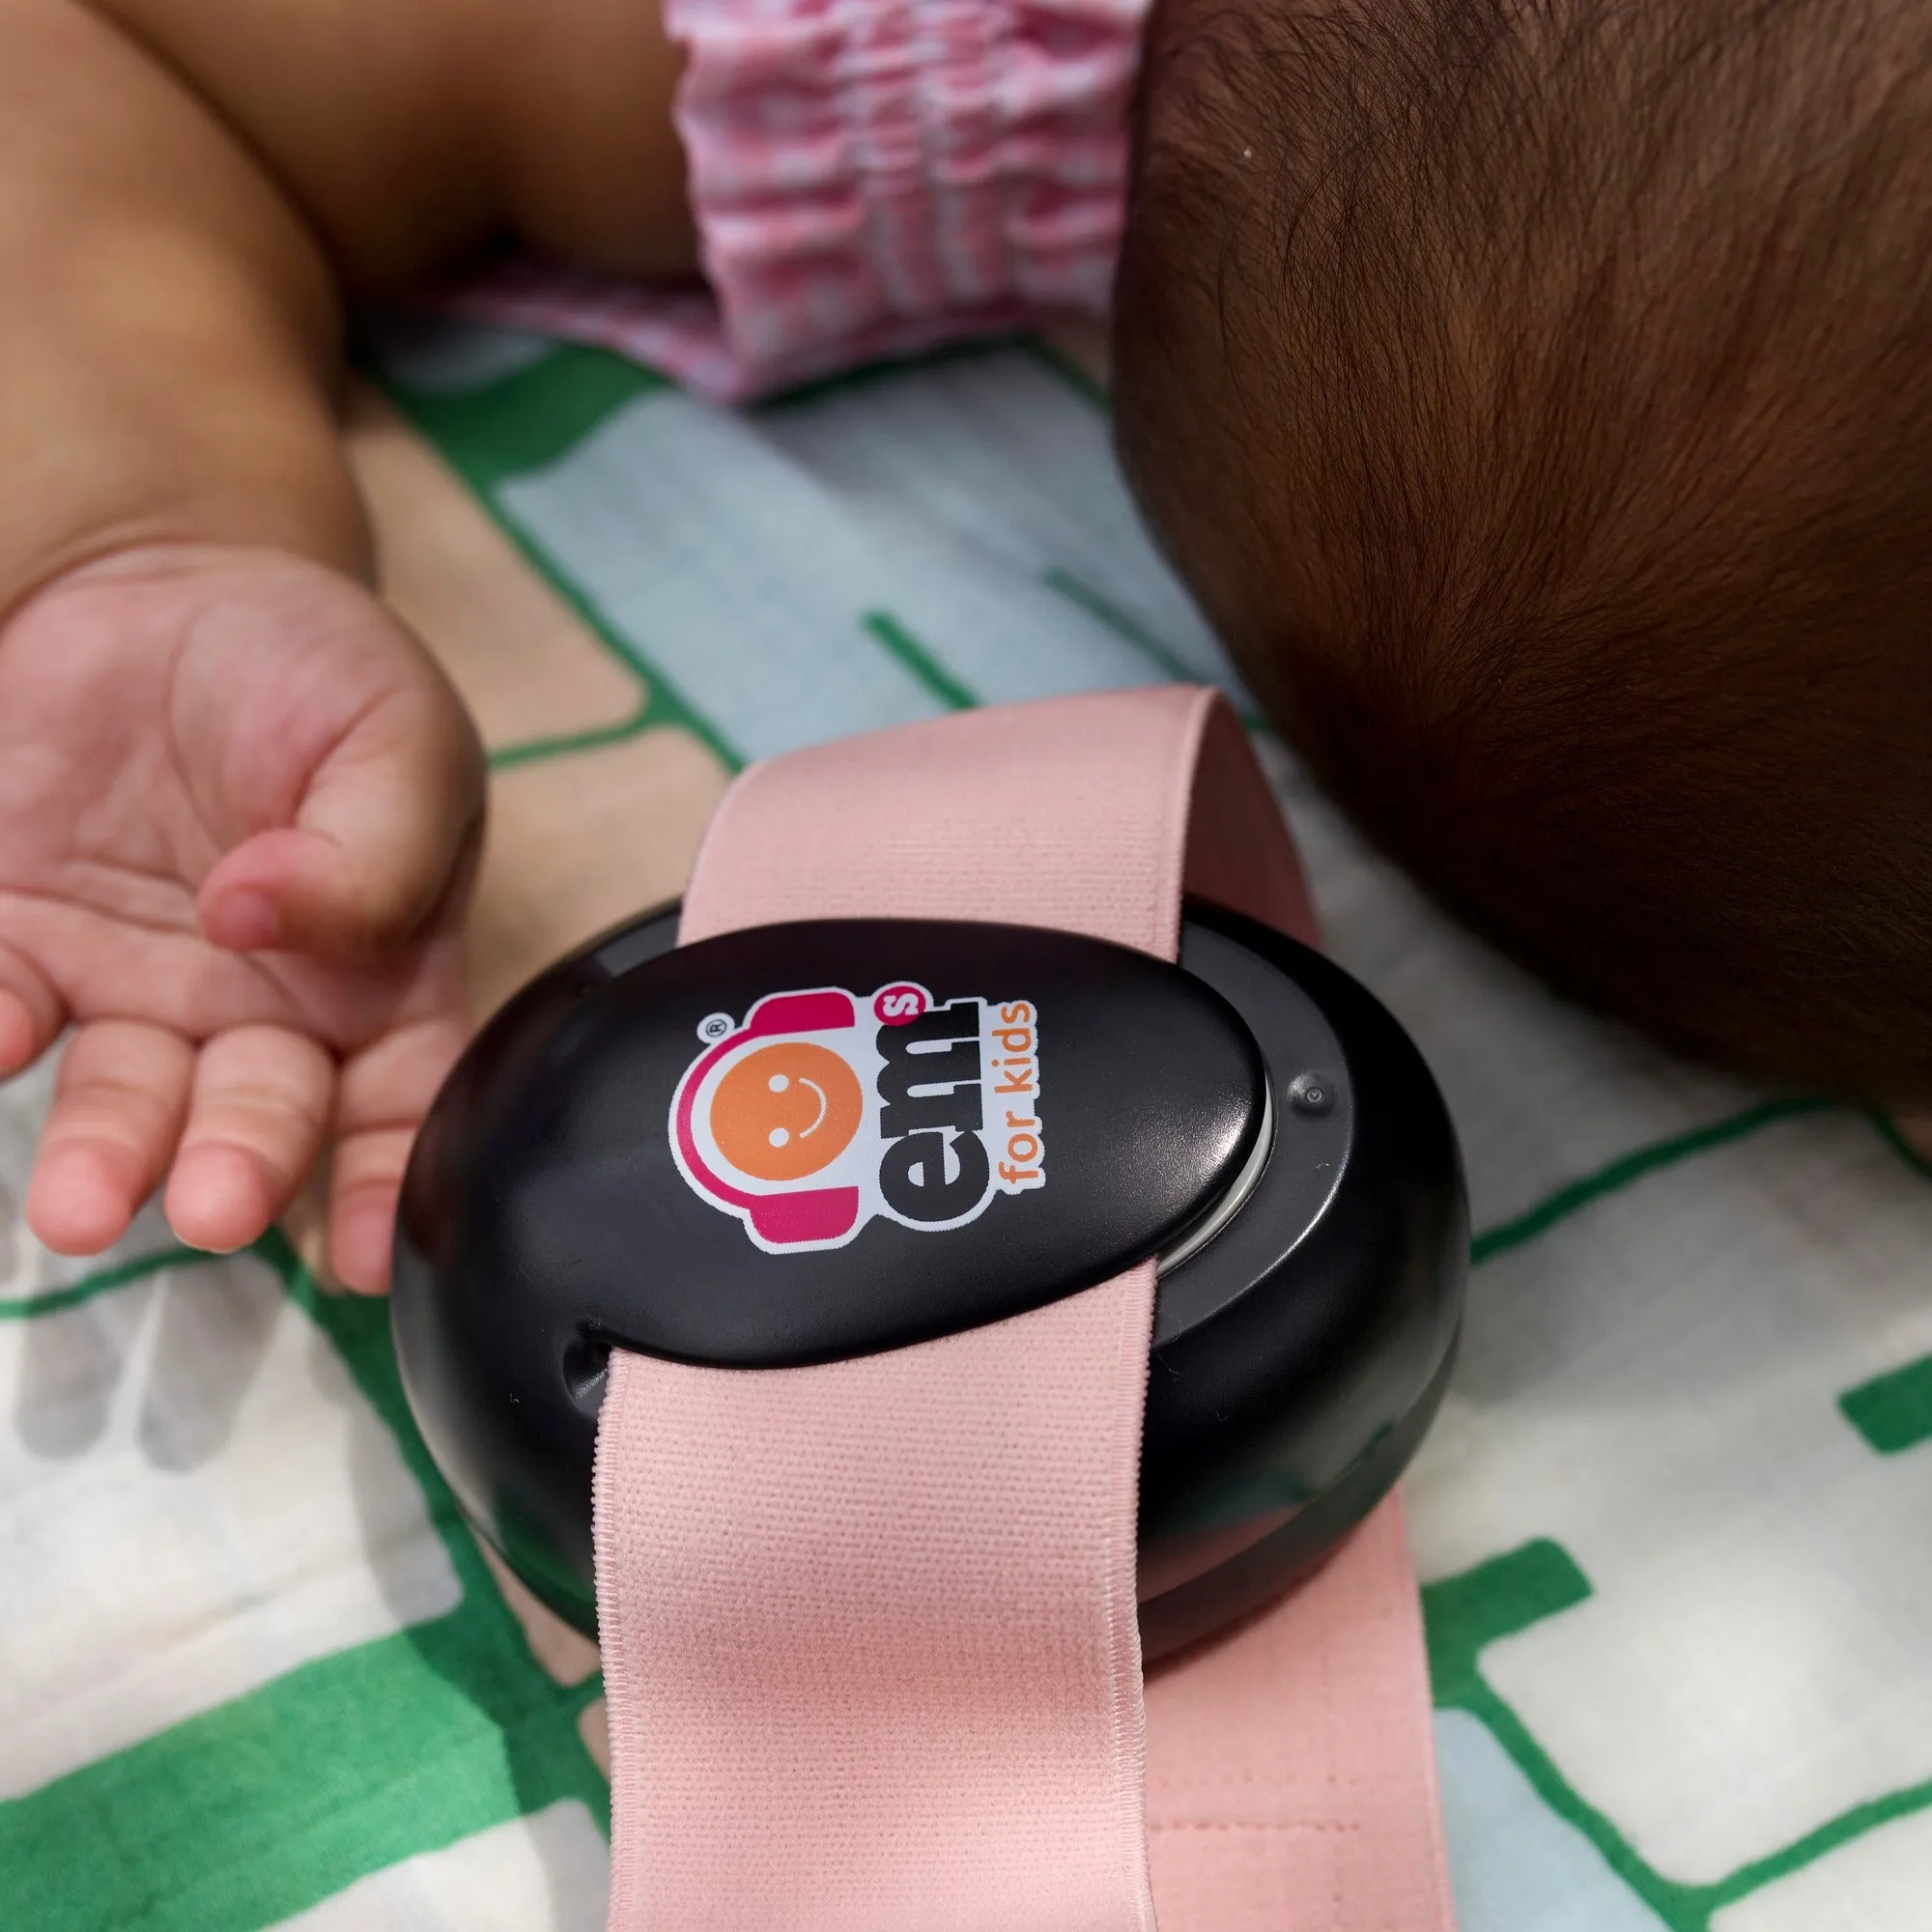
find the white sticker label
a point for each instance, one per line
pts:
(825, 1108)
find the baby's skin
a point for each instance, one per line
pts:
(239, 806)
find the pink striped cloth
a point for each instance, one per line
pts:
(870, 177)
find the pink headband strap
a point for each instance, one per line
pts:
(869, 1627)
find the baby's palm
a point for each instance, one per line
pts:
(237, 812)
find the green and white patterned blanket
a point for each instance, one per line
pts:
(1674, 1527)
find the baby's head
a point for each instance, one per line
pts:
(1539, 399)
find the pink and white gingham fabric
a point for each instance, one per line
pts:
(870, 177)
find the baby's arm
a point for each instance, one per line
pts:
(169, 318)
(238, 803)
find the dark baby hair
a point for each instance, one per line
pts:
(1539, 399)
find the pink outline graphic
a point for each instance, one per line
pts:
(805, 1214)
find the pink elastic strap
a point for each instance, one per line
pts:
(868, 1628)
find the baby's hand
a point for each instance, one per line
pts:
(239, 810)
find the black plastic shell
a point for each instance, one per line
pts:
(1298, 1357)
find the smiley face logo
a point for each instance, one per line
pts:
(786, 1111)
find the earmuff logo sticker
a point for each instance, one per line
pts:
(825, 1109)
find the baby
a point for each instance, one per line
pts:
(1538, 397)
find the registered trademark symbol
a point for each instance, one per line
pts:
(714, 1026)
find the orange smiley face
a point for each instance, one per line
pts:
(786, 1111)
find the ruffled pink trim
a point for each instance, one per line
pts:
(870, 177)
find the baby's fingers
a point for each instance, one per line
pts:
(30, 1012)
(384, 844)
(117, 1107)
(255, 1124)
(385, 1093)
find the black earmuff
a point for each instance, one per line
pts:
(799, 1143)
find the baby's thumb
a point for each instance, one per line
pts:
(382, 846)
